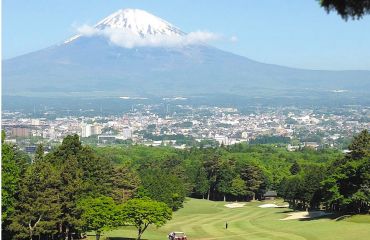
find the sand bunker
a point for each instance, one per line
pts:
(269, 205)
(234, 205)
(305, 215)
(283, 206)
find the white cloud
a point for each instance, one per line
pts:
(234, 39)
(86, 30)
(200, 36)
(128, 39)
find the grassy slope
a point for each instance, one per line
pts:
(205, 220)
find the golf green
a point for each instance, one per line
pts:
(206, 220)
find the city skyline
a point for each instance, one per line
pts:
(184, 126)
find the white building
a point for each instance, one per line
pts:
(35, 122)
(222, 139)
(96, 129)
(88, 129)
(126, 133)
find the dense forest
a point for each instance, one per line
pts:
(77, 188)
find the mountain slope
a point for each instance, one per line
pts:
(93, 63)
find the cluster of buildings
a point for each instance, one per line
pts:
(305, 127)
(88, 130)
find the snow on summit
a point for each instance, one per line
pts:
(139, 22)
(130, 28)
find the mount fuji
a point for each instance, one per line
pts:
(135, 53)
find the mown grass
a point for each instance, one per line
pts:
(205, 220)
(359, 219)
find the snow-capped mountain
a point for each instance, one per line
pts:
(139, 22)
(89, 64)
(136, 22)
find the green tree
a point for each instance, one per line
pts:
(211, 164)
(98, 214)
(125, 183)
(14, 164)
(226, 175)
(295, 168)
(97, 171)
(143, 212)
(312, 193)
(253, 178)
(347, 8)
(71, 189)
(70, 146)
(10, 177)
(201, 182)
(82, 173)
(238, 188)
(360, 146)
(39, 154)
(292, 190)
(37, 210)
(163, 186)
(3, 136)
(347, 186)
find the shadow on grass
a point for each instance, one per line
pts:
(330, 216)
(123, 238)
(113, 238)
(287, 211)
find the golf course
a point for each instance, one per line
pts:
(206, 220)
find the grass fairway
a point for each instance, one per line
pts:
(205, 220)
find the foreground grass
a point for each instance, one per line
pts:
(205, 220)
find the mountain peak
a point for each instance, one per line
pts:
(138, 22)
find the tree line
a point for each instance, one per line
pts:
(77, 188)
(307, 179)
(340, 185)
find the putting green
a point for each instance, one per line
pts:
(205, 220)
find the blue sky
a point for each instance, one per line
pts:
(285, 32)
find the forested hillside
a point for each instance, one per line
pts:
(50, 196)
